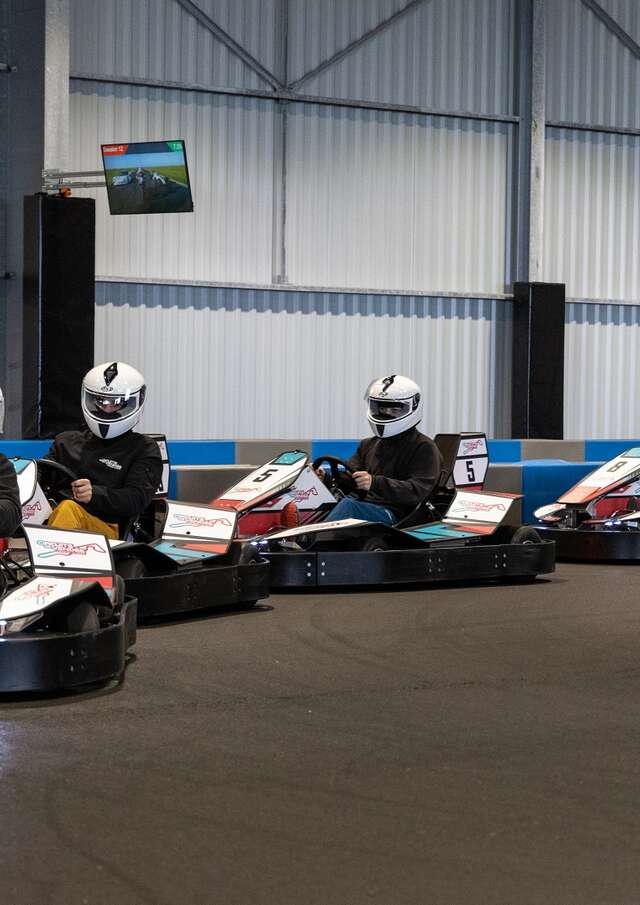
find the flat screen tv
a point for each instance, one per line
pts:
(147, 177)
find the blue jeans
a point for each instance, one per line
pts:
(348, 507)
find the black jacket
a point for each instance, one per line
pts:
(125, 472)
(10, 508)
(405, 469)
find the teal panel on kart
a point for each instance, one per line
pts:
(180, 553)
(290, 458)
(439, 532)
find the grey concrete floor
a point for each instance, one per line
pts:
(447, 746)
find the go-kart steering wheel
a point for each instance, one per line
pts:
(341, 475)
(54, 466)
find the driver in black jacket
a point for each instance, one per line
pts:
(118, 470)
(398, 467)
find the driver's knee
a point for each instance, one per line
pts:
(68, 514)
(345, 508)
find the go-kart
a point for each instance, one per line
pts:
(185, 560)
(599, 517)
(460, 533)
(65, 621)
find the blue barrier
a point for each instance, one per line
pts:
(603, 450)
(544, 480)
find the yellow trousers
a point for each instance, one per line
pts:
(71, 515)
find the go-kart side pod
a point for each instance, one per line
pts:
(193, 565)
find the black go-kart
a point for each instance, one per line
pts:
(176, 557)
(65, 619)
(598, 519)
(460, 533)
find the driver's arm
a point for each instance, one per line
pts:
(10, 509)
(143, 480)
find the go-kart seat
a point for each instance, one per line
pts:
(144, 526)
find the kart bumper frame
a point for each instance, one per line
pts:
(33, 662)
(412, 566)
(583, 544)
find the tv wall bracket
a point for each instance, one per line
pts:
(55, 181)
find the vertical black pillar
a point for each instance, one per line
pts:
(537, 401)
(59, 310)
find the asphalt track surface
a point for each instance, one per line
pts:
(448, 746)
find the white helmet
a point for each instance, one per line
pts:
(112, 399)
(394, 404)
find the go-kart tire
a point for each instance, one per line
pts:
(526, 535)
(374, 545)
(82, 618)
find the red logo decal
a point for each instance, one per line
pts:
(198, 521)
(30, 509)
(469, 446)
(477, 506)
(59, 548)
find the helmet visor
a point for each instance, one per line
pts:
(389, 409)
(104, 407)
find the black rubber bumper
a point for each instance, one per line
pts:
(582, 544)
(428, 566)
(198, 589)
(51, 662)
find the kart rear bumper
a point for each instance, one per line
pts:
(51, 662)
(414, 566)
(197, 589)
(583, 544)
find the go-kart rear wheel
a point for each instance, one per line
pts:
(375, 545)
(526, 535)
(82, 618)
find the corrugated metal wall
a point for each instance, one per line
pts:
(602, 370)
(363, 199)
(592, 214)
(227, 363)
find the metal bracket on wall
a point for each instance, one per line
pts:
(8, 67)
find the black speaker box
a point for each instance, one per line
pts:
(59, 310)
(537, 401)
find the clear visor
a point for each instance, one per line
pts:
(389, 409)
(103, 407)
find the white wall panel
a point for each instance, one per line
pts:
(449, 54)
(602, 370)
(157, 39)
(592, 214)
(229, 363)
(591, 76)
(229, 145)
(394, 201)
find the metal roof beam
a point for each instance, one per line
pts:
(614, 27)
(367, 36)
(190, 7)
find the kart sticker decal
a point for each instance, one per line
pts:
(480, 507)
(308, 493)
(608, 477)
(317, 527)
(37, 510)
(53, 551)
(58, 548)
(264, 483)
(34, 596)
(184, 521)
